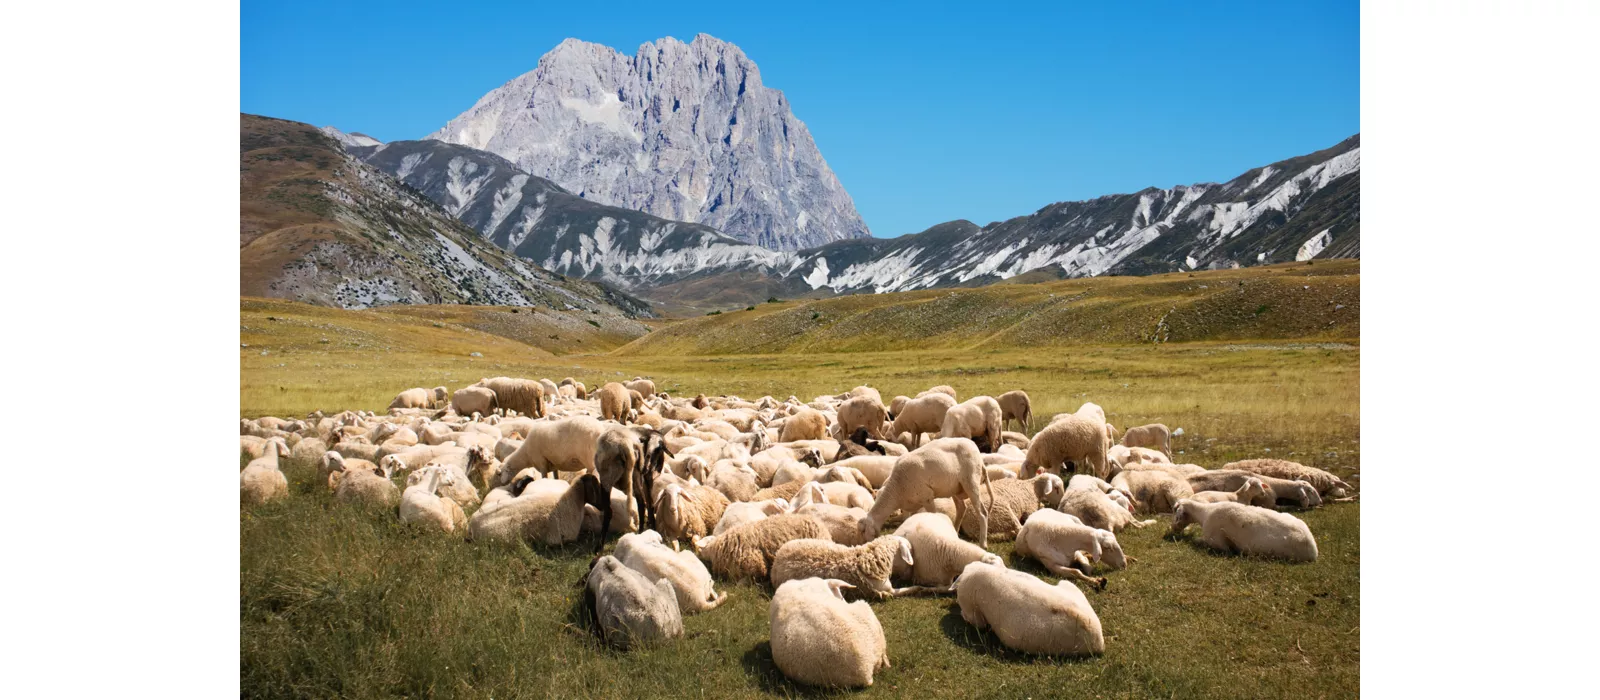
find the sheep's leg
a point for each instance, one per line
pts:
(1068, 572)
(924, 590)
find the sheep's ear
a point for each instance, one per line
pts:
(838, 587)
(905, 551)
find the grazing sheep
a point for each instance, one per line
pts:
(629, 609)
(628, 458)
(525, 396)
(740, 513)
(260, 481)
(844, 524)
(862, 412)
(420, 502)
(939, 553)
(867, 567)
(1068, 548)
(819, 639)
(1152, 491)
(746, 552)
(1071, 439)
(1014, 500)
(1015, 406)
(473, 399)
(805, 424)
(944, 467)
(1154, 436)
(582, 391)
(411, 398)
(977, 419)
(557, 445)
(1236, 527)
(615, 404)
(645, 387)
(1097, 510)
(552, 514)
(1326, 484)
(1254, 492)
(924, 414)
(439, 397)
(692, 512)
(1299, 493)
(1027, 614)
(645, 553)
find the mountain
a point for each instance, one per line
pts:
(685, 132)
(317, 225)
(354, 139)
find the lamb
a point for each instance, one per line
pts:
(862, 412)
(525, 396)
(552, 515)
(740, 513)
(843, 523)
(943, 467)
(1254, 492)
(615, 404)
(1154, 435)
(1027, 614)
(1068, 548)
(629, 609)
(420, 502)
(692, 512)
(1153, 491)
(1014, 500)
(261, 481)
(1097, 510)
(977, 418)
(473, 399)
(645, 553)
(746, 552)
(1236, 527)
(411, 398)
(819, 639)
(867, 567)
(922, 415)
(559, 445)
(940, 554)
(1326, 484)
(1300, 493)
(1071, 439)
(1015, 406)
(805, 424)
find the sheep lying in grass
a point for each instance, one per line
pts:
(1014, 500)
(645, 553)
(1236, 527)
(1027, 614)
(876, 468)
(552, 515)
(844, 524)
(420, 502)
(1253, 492)
(1097, 510)
(738, 483)
(746, 552)
(806, 424)
(256, 447)
(740, 513)
(1067, 547)
(845, 494)
(1154, 436)
(261, 481)
(1299, 493)
(767, 462)
(843, 474)
(1326, 484)
(366, 486)
(784, 491)
(691, 513)
(943, 467)
(866, 567)
(819, 639)
(1152, 491)
(629, 609)
(939, 554)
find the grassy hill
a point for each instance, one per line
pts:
(1320, 301)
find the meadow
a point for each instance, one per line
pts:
(340, 601)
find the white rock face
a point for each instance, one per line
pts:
(354, 139)
(681, 131)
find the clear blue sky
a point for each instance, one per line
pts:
(926, 112)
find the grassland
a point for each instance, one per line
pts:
(338, 601)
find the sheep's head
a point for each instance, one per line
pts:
(1309, 498)
(1049, 489)
(1110, 549)
(811, 457)
(867, 528)
(1182, 515)
(333, 461)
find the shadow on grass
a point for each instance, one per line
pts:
(758, 663)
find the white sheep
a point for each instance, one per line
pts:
(978, 419)
(738, 514)
(1253, 492)
(1014, 500)
(691, 512)
(1067, 547)
(552, 514)
(867, 567)
(746, 552)
(1098, 510)
(645, 553)
(261, 481)
(944, 467)
(1027, 614)
(807, 424)
(1326, 484)
(939, 553)
(420, 502)
(1152, 491)
(819, 639)
(876, 468)
(565, 445)
(924, 414)
(1072, 438)
(1154, 436)
(629, 609)
(1236, 527)
(1300, 493)
(843, 523)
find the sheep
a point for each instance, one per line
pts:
(1015, 406)
(843, 523)
(876, 468)
(1153, 491)
(1017, 440)
(924, 414)
(420, 502)
(767, 462)
(862, 412)
(615, 404)
(1300, 493)
(525, 396)
(558, 445)
(941, 389)
(806, 424)
(746, 552)
(257, 446)
(978, 419)
(943, 467)
(1326, 484)
(844, 474)
(867, 567)
(369, 487)
(740, 513)
(628, 458)
(1154, 435)
(1014, 500)
(473, 399)
(260, 480)
(645, 387)
(1071, 439)
(552, 514)
(1097, 510)
(1246, 529)
(847, 494)
(1027, 614)
(1068, 548)
(1254, 492)
(691, 513)
(629, 609)
(939, 553)
(411, 398)
(550, 388)
(819, 639)
(785, 491)
(582, 391)
(646, 553)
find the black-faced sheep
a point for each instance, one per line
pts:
(628, 458)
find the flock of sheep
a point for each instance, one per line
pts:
(796, 493)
